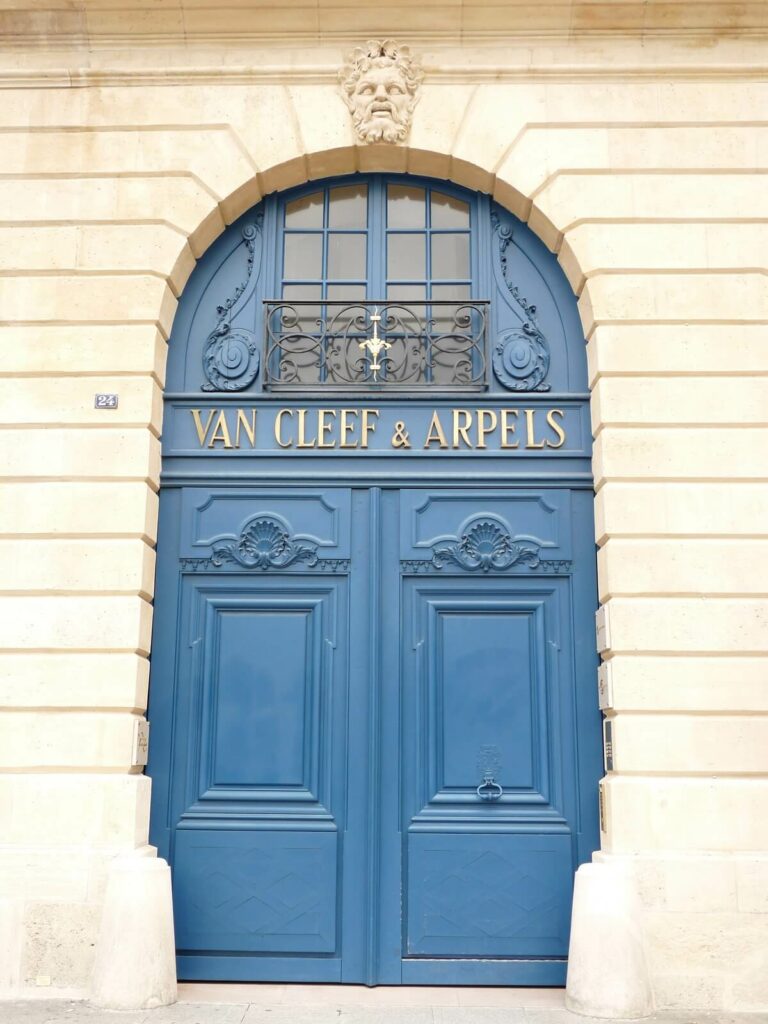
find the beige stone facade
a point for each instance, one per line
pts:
(633, 139)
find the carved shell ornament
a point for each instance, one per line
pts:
(265, 543)
(380, 85)
(486, 545)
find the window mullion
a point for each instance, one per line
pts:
(377, 239)
(428, 282)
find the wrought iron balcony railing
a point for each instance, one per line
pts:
(387, 345)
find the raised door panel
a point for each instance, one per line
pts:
(538, 521)
(264, 659)
(488, 843)
(296, 528)
(481, 708)
(257, 848)
(483, 681)
(265, 673)
(490, 895)
(263, 684)
(255, 891)
(480, 658)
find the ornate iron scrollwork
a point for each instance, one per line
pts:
(265, 543)
(485, 545)
(388, 344)
(520, 356)
(231, 354)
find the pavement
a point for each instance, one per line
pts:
(344, 1004)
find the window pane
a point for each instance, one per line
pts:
(346, 256)
(448, 212)
(404, 328)
(407, 293)
(406, 257)
(297, 353)
(450, 292)
(346, 292)
(454, 359)
(348, 207)
(303, 292)
(303, 257)
(306, 212)
(450, 256)
(406, 206)
(454, 293)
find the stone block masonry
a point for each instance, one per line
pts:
(639, 158)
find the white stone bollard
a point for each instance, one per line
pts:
(607, 971)
(135, 966)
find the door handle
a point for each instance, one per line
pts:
(489, 789)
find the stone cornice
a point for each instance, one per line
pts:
(287, 75)
(93, 26)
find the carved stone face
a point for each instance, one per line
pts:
(380, 86)
(381, 105)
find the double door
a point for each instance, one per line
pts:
(375, 742)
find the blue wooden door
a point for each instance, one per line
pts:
(264, 866)
(375, 738)
(484, 822)
(374, 774)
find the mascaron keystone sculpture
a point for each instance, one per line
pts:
(380, 84)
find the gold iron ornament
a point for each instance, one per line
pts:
(375, 345)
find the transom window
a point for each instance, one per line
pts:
(333, 246)
(383, 261)
(325, 245)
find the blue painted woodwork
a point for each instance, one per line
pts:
(488, 895)
(375, 739)
(534, 319)
(256, 891)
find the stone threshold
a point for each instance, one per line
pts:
(266, 994)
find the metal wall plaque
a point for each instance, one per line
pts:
(104, 401)
(608, 744)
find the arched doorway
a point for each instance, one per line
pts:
(376, 741)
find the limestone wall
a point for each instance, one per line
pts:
(650, 185)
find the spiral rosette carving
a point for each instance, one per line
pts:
(231, 354)
(521, 360)
(230, 359)
(264, 543)
(520, 356)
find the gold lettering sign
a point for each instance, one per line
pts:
(220, 425)
(474, 430)
(435, 433)
(447, 429)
